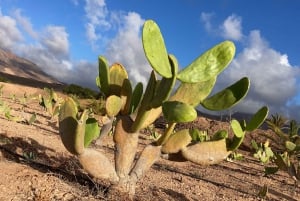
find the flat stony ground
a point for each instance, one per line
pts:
(34, 165)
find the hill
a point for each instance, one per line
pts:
(22, 71)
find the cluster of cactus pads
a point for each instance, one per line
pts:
(134, 109)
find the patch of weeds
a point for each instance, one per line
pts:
(30, 156)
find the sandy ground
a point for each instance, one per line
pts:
(34, 165)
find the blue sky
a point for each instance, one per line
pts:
(65, 37)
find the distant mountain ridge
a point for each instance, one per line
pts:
(22, 71)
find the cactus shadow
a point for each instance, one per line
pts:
(199, 177)
(31, 153)
(175, 195)
(253, 185)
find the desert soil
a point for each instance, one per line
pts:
(34, 165)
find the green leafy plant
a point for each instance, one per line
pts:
(29, 156)
(4, 79)
(235, 156)
(81, 92)
(30, 120)
(5, 110)
(4, 107)
(154, 135)
(11, 117)
(1, 89)
(286, 157)
(134, 109)
(263, 192)
(50, 101)
(262, 151)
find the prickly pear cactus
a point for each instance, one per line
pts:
(134, 109)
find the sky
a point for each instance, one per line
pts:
(65, 38)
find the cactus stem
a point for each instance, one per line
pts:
(163, 139)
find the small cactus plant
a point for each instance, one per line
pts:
(50, 101)
(286, 158)
(134, 109)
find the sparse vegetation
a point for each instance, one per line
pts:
(81, 92)
(50, 102)
(4, 79)
(286, 155)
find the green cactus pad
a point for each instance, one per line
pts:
(195, 134)
(166, 85)
(117, 74)
(206, 153)
(221, 134)
(258, 119)
(126, 96)
(198, 135)
(136, 97)
(177, 141)
(146, 118)
(281, 162)
(147, 115)
(228, 97)
(113, 105)
(92, 131)
(193, 93)
(290, 145)
(104, 78)
(236, 128)
(71, 130)
(155, 49)
(175, 111)
(149, 92)
(68, 109)
(209, 64)
(97, 81)
(238, 137)
(271, 170)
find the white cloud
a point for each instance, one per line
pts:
(50, 51)
(273, 79)
(97, 22)
(127, 48)
(9, 32)
(25, 23)
(124, 43)
(55, 40)
(49, 47)
(206, 19)
(232, 28)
